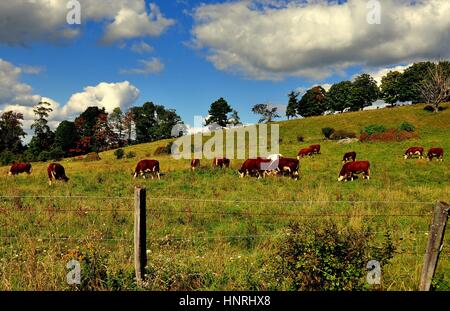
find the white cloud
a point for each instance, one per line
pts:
(274, 39)
(26, 21)
(152, 66)
(18, 96)
(107, 95)
(141, 48)
(380, 73)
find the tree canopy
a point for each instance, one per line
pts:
(219, 113)
(313, 102)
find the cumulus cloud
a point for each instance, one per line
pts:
(151, 66)
(18, 96)
(23, 22)
(273, 39)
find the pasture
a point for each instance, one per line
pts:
(211, 230)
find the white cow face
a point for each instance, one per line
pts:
(341, 178)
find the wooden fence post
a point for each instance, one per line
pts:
(435, 242)
(140, 236)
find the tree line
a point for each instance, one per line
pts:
(94, 130)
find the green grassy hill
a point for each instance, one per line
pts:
(235, 254)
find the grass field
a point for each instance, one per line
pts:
(40, 235)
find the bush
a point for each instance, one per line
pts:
(327, 132)
(93, 156)
(388, 136)
(131, 155)
(119, 153)
(7, 157)
(300, 138)
(163, 149)
(374, 129)
(407, 127)
(44, 156)
(323, 257)
(340, 134)
(56, 154)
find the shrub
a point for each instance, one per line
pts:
(340, 134)
(119, 153)
(44, 156)
(388, 136)
(164, 149)
(407, 127)
(131, 155)
(327, 132)
(300, 138)
(7, 157)
(374, 128)
(56, 154)
(93, 156)
(323, 257)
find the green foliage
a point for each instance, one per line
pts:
(119, 153)
(390, 87)
(131, 155)
(218, 112)
(374, 129)
(43, 138)
(313, 102)
(267, 112)
(7, 157)
(339, 97)
(327, 132)
(44, 156)
(11, 132)
(66, 135)
(408, 127)
(320, 256)
(291, 109)
(410, 82)
(56, 154)
(154, 122)
(364, 92)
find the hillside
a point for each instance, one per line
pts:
(397, 186)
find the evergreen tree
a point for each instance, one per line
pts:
(43, 138)
(291, 109)
(218, 113)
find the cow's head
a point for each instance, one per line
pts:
(405, 156)
(241, 173)
(10, 173)
(342, 177)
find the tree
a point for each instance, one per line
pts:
(410, 82)
(66, 136)
(267, 112)
(313, 102)
(364, 92)
(339, 97)
(218, 113)
(291, 110)
(11, 132)
(154, 122)
(116, 120)
(436, 88)
(128, 124)
(234, 119)
(390, 87)
(43, 138)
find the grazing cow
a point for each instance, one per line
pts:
(351, 168)
(414, 151)
(147, 166)
(305, 152)
(18, 168)
(349, 157)
(315, 148)
(194, 164)
(289, 166)
(56, 171)
(254, 167)
(221, 162)
(437, 153)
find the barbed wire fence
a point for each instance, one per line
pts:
(141, 202)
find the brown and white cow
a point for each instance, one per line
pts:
(414, 151)
(305, 152)
(19, 168)
(289, 166)
(351, 168)
(437, 153)
(194, 164)
(315, 148)
(349, 157)
(221, 162)
(55, 172)
(147, 166)
(255, 167)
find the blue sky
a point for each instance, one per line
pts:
(248, 52)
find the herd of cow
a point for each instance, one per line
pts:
(273, 165)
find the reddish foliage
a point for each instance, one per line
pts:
(387, 136)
